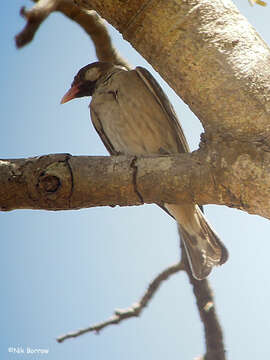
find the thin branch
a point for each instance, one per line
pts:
(96, 28)
(215, 349)
(40, 11)
(89, 20)
(134, 310)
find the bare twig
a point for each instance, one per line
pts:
(215, 349)
(40, 11)
(134, 310)
(89, 20)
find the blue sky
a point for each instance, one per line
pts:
(61, 271)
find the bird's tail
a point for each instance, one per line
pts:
(203, 247)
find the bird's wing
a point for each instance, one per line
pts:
(162, 99)
(167, 107)
(99, 129)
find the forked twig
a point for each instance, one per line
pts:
(133, 311)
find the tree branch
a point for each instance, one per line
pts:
(89, 20)
(63, 182)
(41, 10)
(134, 310)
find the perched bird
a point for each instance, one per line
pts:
(132, 115)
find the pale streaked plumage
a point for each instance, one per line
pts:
(132, 115)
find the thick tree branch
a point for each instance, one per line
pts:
(134, 310)
(63, 182)
(238, 178)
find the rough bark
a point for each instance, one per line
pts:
(63, 182)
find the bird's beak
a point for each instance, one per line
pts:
(70, 94)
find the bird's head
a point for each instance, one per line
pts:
(85, 81)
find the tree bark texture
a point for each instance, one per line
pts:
(63, 182)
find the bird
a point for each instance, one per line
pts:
(133, 116)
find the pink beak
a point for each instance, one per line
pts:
(70, 94)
